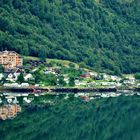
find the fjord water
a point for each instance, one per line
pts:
(57, 118)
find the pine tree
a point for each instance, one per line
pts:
(1, 69)
(20, 78)
(71, 81)
(61, 81)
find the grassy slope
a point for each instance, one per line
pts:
(60, 61)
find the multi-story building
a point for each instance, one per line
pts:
(10, 59)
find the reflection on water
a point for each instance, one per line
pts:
(9, 111)
(81, 116)
(11, 103)
(9, 107)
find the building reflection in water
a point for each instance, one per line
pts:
(9, 111)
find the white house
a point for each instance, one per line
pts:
(1, 76)
(16, 74)
(105, 76)
(11, 77)
(11, 85)
(66, 79)
(16, 85)
(49, 71)
(80, 83)
(24, 85)
(115, 78)
(91, 84)
(138, 85)
(107, 83)
(130, 77)
(129, 82)
(92, 73)
(28, 77)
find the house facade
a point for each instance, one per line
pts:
(10, 59)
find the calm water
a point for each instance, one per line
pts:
(68, 117)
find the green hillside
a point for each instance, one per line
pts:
(104, 34)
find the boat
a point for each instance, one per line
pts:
(85, 98)
(36, 90)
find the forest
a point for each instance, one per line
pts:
(101, 34)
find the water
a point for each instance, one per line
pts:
(72, 117)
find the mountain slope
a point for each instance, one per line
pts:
(104, 34)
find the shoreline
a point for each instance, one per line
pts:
(65, 89)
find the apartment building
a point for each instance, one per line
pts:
(10, 59)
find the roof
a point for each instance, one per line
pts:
(17, 70)
(8, 52)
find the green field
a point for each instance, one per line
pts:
(60, 61)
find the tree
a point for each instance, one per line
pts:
(51, 79)
(25, 50)
(20, 78)
(37, 76)
(42, 53)
(61, 81)
(82, 65)
(137, 76)
(3, 80)
(72, 65)
(1, 69)
(71, 81)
